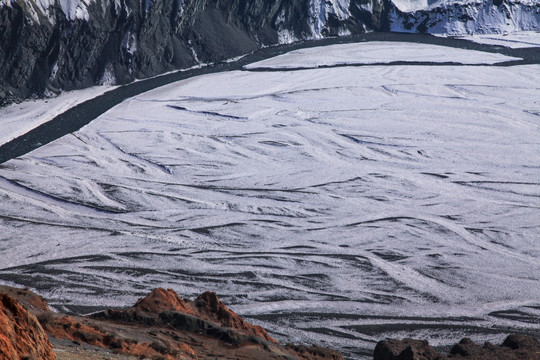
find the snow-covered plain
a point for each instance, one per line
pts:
(522, 39)
(377, 52)
(18, 119)
(335, 206)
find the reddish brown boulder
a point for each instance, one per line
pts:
(209, 307)
(160, 300)
(517, 342)
(21, 335)
(314, 352)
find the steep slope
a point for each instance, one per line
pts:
(159, 326)
(21, 335)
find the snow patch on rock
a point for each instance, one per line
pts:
(320, 11)
(464, 17)
(76, 9)
(108, 76)
(410, 5)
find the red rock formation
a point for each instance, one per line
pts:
(29, 300)
(21, 335)
(160, 300)
(209, 307)
(164, 326)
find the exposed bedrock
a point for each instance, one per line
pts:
(161, 325)
(21, 335)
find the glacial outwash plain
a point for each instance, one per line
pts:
(333, 183)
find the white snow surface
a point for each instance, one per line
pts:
(73, 9)
(522, 39)
(377, 52)
(324, 204)
(18, 119)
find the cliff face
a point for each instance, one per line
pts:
(21, 335)
(52, 45)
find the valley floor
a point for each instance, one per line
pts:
(335, 195)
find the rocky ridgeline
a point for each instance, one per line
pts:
(52, 45)
(164, 326)
(160, 326)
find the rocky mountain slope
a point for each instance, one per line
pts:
(21, 335)
(52, 45)
(160, 326)
(464, 17)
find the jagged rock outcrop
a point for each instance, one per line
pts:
(206, 314)
(21, 335)
(209, 307)
(514, 347)
(162, 325)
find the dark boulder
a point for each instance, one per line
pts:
(515, 347)
(406, 349)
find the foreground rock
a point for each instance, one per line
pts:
(21, 335)
(514, 347)
(165, 326)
